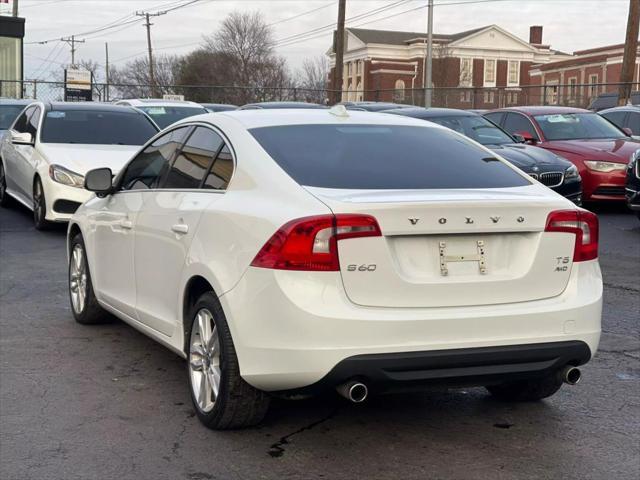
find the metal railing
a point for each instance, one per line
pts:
(575, 95)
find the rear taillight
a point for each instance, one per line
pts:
(311, 243)
(581, 223)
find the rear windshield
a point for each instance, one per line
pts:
(383, 157)
(165, 116)
(8, 113)
(575, 126)
(96, 127)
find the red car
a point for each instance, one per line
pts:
(599, 149)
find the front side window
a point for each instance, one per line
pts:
(575, 126)
(96, 127)
(475, 127)
(32, 124)
(23, 120)
(165, 116)
(194, 160)
(8, 113)
(516, 123)
(633, 122)
(383, 157)
(151, 165)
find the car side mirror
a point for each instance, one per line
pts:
(628, 131)
(99, 181)
(527, 137)
(519, 138)
(21, 138)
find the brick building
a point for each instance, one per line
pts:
(580, 78)
(388, 65)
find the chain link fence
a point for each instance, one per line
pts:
(573, 95)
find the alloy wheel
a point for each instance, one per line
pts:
(204, 360)
(78, 279)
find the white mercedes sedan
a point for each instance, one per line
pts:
(50, 146)
(284, 252)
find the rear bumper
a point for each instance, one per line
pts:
(291, 329)
(462, 367)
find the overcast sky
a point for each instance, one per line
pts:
(569, 25)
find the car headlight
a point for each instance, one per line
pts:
(571, 172)
(604, 167)
(66, 177)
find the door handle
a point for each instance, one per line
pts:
(126, 224)
(180, 228)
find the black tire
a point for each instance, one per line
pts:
(91, 312)
(5, 200)
(527, 390)
(237, 403)
(39, 206)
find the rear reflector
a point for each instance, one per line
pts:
(581, 223)
(311, 243)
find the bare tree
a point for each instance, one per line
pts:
(312, 79)
(132, 80)
(245, 42)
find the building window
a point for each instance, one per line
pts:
(398, 94)
(514, 73)
(593, 88)
(466, 72)
(359, 92)
(573, 88)
(551, 92)
(359, 68)
(488, 96)
(489, 73)
(465, 96)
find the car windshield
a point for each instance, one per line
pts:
(96, 127)
(475, 127)
(577, 126)
(8, 113)
(383, 157)
(165, 116)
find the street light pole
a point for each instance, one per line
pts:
(429, 62)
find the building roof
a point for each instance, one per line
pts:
(392, 37)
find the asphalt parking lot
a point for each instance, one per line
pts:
(106, 402)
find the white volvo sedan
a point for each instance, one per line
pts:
(285, 252)
(50, 147)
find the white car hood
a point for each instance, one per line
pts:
(82, 158)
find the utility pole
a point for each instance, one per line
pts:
(15, 9)
(339, 66)
(630, 52)
(106, 71)
(72, 41)
(152, 80)
(429, 62)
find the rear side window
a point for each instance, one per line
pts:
(383, 157)
(616, 117)
(193, 162)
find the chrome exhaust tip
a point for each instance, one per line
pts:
(353, 391)
(570, 375)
